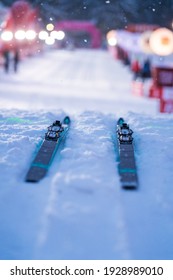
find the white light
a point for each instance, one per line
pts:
(7, 36)
(20, 35)
(43, 35)
(112, 37)
(144, 41)
(59, 35)
(49, 40)
(49, 26)
(112, 41)
(30, 34)
(161, 41)
(53, 34)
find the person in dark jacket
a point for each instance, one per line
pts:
(136, 69)
(146, 70)
(16, 60)
(6, 55)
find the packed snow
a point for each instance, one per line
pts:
(79, 210)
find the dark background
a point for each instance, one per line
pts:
(107, 15)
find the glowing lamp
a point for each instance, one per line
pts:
(112, 38)
(161, 41)
(43, 35)
(50, 27)
(30, 35)
(59, 35)
(20, 35)
(7, 36)
(111, 34)
(50, 41)
(144, 42)
(112, 42)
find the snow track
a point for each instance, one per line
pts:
(73, 80)
(79, 211)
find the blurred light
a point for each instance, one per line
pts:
(161, 41)
(112, 42)
(144, 41)
(49, 40)
(30, 34)
(112, 38)
(111, 34)
(49, 26)
(43, 35)
(7, 36)
(53, 34)
(59, 35)
(20, 35)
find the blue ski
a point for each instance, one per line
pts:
(126, 165)
(53, 138)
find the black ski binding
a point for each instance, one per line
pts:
(54, 131)
(125, 134)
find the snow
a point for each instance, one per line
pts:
(79, 211)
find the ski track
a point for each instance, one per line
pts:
(76, 81)
(80, 199)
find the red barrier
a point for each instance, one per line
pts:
(155, 92)
(162, 76)
(166, 100)
(162, 88)
(137, 88)
(166, 106)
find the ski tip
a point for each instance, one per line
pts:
(67, 120)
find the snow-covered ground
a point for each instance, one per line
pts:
(79, 211)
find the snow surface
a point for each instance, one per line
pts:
(79, 211)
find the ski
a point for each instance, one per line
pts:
(53, 138)
(126, 165)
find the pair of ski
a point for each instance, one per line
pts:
(58, 131)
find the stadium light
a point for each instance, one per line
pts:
(43, 35)
(50, 27)
(7, 36)
(50, 41)
(59, 35)
(161, 41)
(30, 35)
(112, 42)
(20, 35)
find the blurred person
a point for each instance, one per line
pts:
(146, 70)
(136, 69)
(6, 56)
(16, 60)
(126, 59)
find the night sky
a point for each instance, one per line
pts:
(107, 14)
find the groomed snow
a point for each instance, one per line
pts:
(79, 211)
